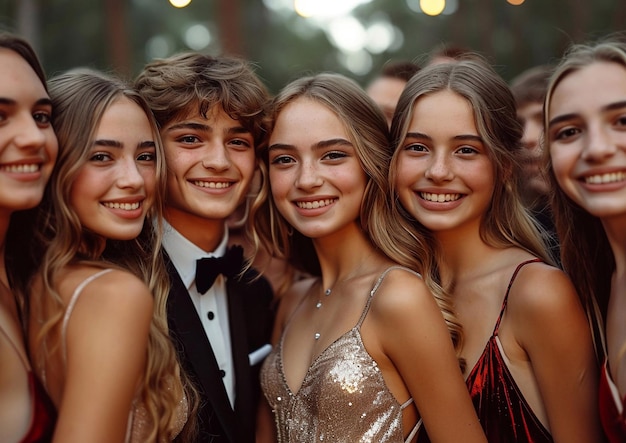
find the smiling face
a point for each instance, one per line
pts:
(316, 178)
(211, 163)
(445, 178)
(28, 145)
(115, 188)
(587, 136)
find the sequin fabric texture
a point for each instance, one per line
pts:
(343, 397)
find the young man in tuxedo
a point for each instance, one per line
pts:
(211, 115)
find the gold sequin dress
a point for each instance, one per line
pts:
(343, 397)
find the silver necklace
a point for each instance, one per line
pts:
(318, 305)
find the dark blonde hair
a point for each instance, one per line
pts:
(368, 133)
(585, 250)
(507, 222)
(80, 99)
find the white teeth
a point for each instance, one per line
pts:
(21, 168)
(124, 206)
(315, 204)
(610, 177)
(439, 198)
(213, 185)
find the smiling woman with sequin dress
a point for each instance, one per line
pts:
(97, 326)
(361, 350)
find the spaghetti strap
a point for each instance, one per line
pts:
(70, 308)
(375, 288)
(508, 289)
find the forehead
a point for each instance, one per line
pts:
(444, 110)
(592, 85)
(14, 70)
(307, 119)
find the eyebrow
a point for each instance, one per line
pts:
(203, 127)
(461, 137)
(319, 145)
(42, 101)
(119, 145)
(566, 117)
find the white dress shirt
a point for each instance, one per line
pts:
(212, 306)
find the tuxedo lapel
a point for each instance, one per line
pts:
(244, 405)
(186, 329)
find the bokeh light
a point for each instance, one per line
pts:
(432, 7)
(515, 2)
(180, 3)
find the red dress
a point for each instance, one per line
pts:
(612, 408)
(502, 410)
(44, 413)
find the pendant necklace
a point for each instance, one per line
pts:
(318, 305)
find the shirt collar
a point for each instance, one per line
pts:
(183, 253)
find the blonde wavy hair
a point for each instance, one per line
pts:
(507, 222)
(80, 98)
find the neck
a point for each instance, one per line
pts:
(461, 251)
(203, 232)
(345, 254)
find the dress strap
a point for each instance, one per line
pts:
(375, 288)
(508, 290)
(70, 308)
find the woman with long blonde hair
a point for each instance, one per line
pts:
(96, 323)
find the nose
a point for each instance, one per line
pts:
(129, 175)
(216, 158)
(439, 169)
(308, 177)
(28, 134)
(598, 144)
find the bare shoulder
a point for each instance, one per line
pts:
(403, 292)
(543, 306)
(541, 288)
(114, 292)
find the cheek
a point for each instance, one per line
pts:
(246, 163)
(280, 183)
(406, 176)
(149, 179)
(561, 163)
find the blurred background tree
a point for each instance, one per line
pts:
(288, 38)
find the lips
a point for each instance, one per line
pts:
(123, 206)
(439, 198)
(609, 177)
(315, 204)
(23, 168)
(212, 185)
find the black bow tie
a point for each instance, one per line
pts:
(207, 269)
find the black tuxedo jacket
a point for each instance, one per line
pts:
(250, 317)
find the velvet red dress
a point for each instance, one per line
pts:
(612, 408)
(502, 409)
(44, 413)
